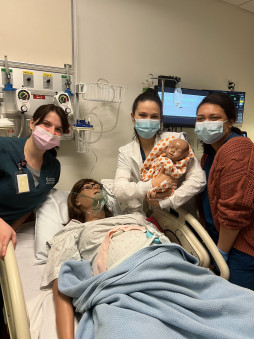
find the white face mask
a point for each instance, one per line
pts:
(210, 131)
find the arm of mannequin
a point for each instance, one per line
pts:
(160, 177)
(64, 314)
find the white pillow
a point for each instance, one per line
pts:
(50, 216)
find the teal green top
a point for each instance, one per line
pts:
(14, 205)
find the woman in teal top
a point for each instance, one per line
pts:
(28, 170)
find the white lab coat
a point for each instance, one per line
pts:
(130, 190)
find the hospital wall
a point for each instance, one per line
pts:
(205, 42)
(36, 32)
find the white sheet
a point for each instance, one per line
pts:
(39, 303)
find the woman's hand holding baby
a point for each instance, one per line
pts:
(155, 197)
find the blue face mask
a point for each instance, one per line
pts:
(210, 131)
(147, 128)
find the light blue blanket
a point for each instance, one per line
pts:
(158, 293)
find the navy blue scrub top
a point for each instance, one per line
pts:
(14, 205)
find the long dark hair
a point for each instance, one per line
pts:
(227, 104)
(75, 211)
(149, 95)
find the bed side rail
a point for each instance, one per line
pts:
(188, 222)
(15, 312)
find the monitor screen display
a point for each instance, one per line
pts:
(181, 110)
(239, 100)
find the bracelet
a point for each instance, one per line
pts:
(222, 251)
(225, 255)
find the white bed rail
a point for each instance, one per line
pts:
(15, 312)
(182, 223)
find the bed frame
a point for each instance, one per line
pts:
(181, 227)
(15, 313)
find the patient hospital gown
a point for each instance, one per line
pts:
(127, 234)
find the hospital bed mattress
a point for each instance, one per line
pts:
(35, 317)
(39, 304)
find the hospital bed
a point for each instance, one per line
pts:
(29, 312)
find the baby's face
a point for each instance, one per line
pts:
(177, 150)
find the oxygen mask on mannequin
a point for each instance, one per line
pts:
(99, 201)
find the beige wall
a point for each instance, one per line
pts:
(204, 42)
(36, 31)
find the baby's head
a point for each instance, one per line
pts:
(178, 149)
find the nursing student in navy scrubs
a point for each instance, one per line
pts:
(28, 170)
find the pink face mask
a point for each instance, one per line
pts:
(44, 140)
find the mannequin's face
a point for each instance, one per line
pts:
(177, 150)
(86, 195)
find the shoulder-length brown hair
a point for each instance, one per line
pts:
(75, 211)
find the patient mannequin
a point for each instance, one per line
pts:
(79, 209)
(94, 245)
(81, 212)
(171, 154)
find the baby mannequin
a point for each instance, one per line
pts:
(173, 155)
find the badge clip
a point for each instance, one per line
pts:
(22, 183)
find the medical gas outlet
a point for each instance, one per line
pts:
(63, 100)
(23, 97)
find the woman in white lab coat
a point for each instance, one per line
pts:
(129, 189)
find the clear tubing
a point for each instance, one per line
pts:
(117, 116)
(95, 161)
(22, 124)
(101, 131)
(112, 128)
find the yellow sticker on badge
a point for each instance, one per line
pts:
(23, 184)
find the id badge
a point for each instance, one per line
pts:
(22, 183)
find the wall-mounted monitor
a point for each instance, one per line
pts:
(184, 112)
(239, 100)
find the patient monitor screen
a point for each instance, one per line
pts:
(181, 109)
